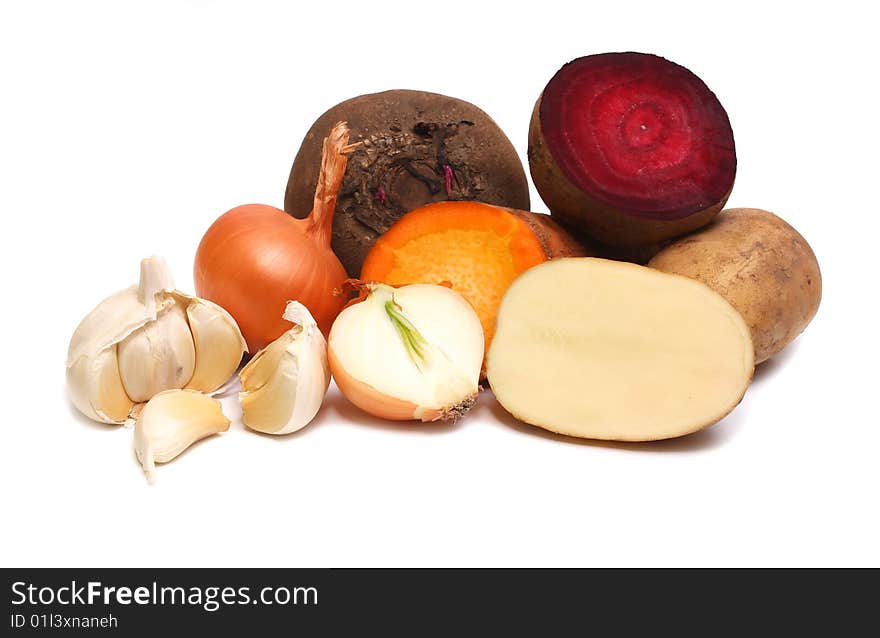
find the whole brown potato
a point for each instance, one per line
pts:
(761, 265)
(416, 148)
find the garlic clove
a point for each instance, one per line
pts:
(269, 384)
(285, 383)
(96, 389)
(219, 344)
(170, 422)
(157, 357)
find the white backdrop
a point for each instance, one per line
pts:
(126, 128)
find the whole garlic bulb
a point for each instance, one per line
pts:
(147, 339)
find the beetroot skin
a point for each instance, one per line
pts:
(631, 148)
(416, 148)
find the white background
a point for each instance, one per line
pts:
(126, 128)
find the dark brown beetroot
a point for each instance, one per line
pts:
(631, 148)
(417, 148)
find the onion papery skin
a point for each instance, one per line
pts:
(255, 258)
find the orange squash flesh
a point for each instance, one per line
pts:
(477, 248)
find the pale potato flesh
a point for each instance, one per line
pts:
(609, 350)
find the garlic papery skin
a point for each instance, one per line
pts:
(170, 422)
(408, 353)
(285, 383)
(146, 339)
(157, 357)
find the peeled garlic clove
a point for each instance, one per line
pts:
(218, 342)
(96, 389)
(413, 352)
(285, 383)
(172, 421)
(157, 357)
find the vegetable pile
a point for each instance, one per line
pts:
(406, 266)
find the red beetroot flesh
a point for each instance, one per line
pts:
(640, 134)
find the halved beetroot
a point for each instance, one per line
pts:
(631, 148)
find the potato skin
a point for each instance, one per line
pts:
(577, 209)
(761, 265)
(408, 136)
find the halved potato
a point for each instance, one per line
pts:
(609, 350)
